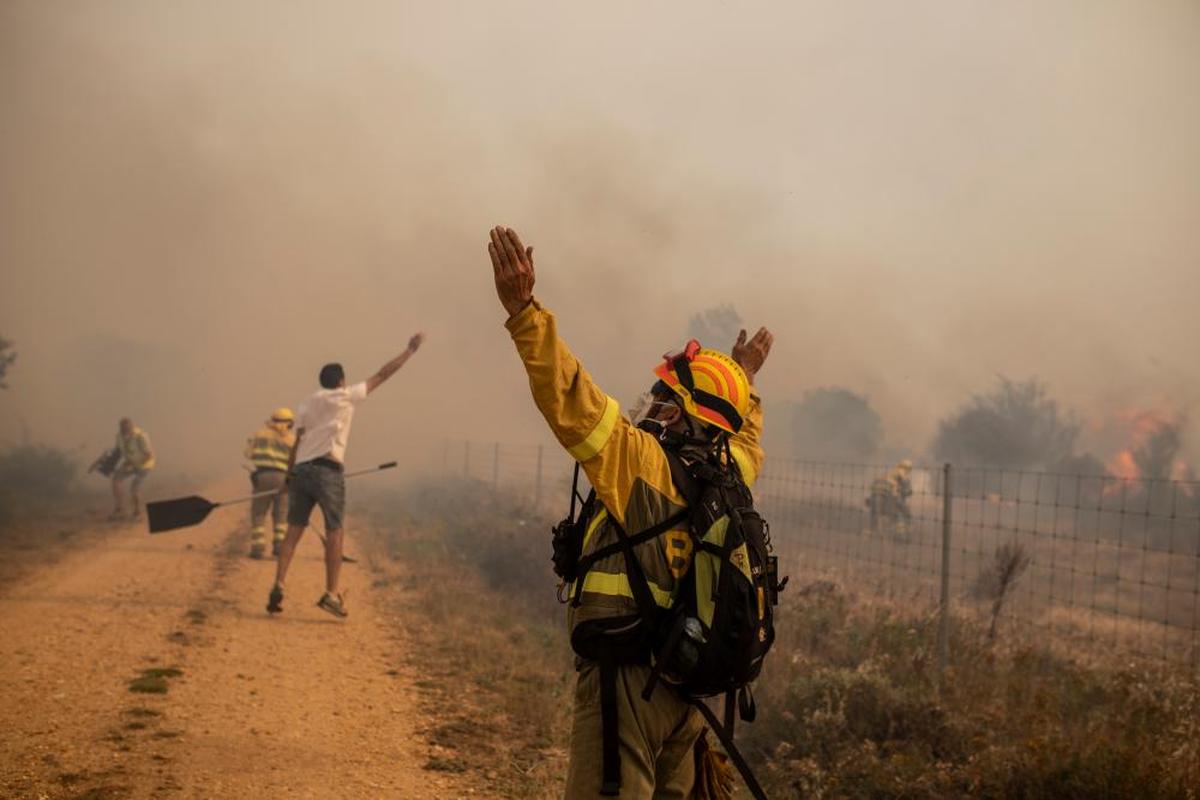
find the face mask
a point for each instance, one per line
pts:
(648, 412)
(644, 416)
(641, 409)
(652, 427)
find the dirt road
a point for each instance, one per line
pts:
(302, 705)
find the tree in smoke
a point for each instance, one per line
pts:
(1016, 425)
(1156, 456)
(716, 327)
(835, 424)
(6, 360)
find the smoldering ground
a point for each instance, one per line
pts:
(201, 203)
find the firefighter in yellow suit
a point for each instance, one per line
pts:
(269, 451)
(137, 460)
(889, 499)
(631, 475)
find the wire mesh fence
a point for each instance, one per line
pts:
(1095, 565)
(538, 472)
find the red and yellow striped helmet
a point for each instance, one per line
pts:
(711, 385)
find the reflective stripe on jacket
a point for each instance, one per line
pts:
(626, 466)
(270, 448)
(135, 450)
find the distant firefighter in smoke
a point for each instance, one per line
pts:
(889, 499)
(131, 458)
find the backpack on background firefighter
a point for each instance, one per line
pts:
(712, 637)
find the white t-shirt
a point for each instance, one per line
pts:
(325, 418)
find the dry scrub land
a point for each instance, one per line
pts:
(145, 667)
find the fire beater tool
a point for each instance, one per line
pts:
(183, 512)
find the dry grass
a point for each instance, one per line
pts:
(489, 644)
(849, 708)
(847, 702)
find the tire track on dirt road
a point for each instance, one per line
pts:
(300, 705)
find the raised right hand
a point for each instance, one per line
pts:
(512, 267)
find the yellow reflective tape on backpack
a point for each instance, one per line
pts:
(590, 447)
(618, 585)
(708, 569)
(745, 465)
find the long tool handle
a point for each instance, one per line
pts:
(249, 497)
(246, 499)
(380, 468)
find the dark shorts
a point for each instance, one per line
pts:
(312, 484)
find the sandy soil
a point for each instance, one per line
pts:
(301, 705)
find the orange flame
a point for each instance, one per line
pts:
(1123, 466)
(1141, 425)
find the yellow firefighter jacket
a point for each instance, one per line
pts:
(270, 448)
(135, 451)
(625, 465)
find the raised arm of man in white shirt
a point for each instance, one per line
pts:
(390, 368)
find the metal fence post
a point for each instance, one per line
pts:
(943, 635)
(537, 482)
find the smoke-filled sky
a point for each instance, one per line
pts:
(202, 202)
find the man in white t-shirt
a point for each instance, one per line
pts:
(316, 477)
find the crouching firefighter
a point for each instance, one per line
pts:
(667, 570)
(269, 451)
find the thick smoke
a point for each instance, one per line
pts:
(200, 203)
(833, 424)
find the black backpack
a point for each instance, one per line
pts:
(736, 589)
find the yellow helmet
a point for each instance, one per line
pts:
(712, 386)
(283, 414)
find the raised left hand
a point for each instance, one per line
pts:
(751, 354)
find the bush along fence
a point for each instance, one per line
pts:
(1094, 566)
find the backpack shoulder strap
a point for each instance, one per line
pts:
(735, 755)
(687, 485)
(610, 744)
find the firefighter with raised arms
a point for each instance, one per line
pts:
(626, 739)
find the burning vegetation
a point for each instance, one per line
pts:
(1152, 449)
(1019, 426)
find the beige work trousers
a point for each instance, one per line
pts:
(268, 480)
(656, 739)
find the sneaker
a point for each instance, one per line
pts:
(333, 604)
(275, 600)
(275, 547)
(257, 550)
